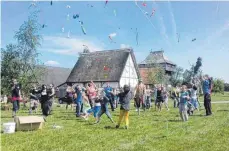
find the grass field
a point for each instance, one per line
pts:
(151, 131)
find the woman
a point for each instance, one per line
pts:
(159, 98)
(16, 97)
(91, 91)
(33, 99)
(69, 94)
(45, 101)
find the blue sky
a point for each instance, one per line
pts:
(208, 22)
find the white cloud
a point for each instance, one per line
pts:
(122, 46)
(52, 63)
(112, 34)
(68, 46)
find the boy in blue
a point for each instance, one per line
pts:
(184, 97)
(108, 91)
(207, 94)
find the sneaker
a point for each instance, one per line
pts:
(117, 126)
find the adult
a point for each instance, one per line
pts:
(51, 99)
(165, 97)
(108, 90)
(16, 96)
(159, 100)
(175, 97)
(45, 101)
(139, 95)
(148, 97)
(69, 95)
(207, 86)
(155, 96)
(78, 100)
(91, 91)
(33, 99)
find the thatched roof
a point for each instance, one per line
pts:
(157, 57)
(92, 66)
(55, 75)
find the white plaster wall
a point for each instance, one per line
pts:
(129, 75)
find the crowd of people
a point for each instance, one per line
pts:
(90, 100)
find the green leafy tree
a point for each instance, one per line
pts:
(20, 61)
(218, 86)
(177, 76)
(156, 75)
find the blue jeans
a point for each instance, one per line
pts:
(96, 110)
(16, 105)
(148, 102)
(194, 102)
(104, 109)
(78, 108)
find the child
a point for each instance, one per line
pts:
(87, 108)
(184, 97)
(165, 97)
(194, 97)
(124, 99)
(104, 108)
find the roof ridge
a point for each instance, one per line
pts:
(102, 51)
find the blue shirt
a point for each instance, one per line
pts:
(107, 89)
(206, 87)
(79, 96)
(183, 100)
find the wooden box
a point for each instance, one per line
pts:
(27, 123)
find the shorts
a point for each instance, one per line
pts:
(159, 100)
(33, 103)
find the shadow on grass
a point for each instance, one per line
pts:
(174, 120)
(222, 110)
(198, 115)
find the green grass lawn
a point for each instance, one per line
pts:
(150, 131)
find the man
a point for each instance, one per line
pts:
(207, 86)
(108, 91)
(16, 97)
(139, 94)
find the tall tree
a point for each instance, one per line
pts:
(218, 86)
(177, 76)
(156, 75)
(20, 61)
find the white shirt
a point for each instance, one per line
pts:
(193, 93)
